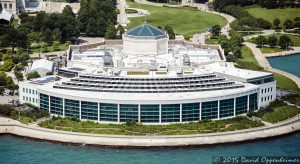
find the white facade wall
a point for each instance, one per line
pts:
(267, 93)
(28, 93)
(134, 46)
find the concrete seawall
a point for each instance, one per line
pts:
(15, 128)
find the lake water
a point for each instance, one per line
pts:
(17, 150)
(290, 64)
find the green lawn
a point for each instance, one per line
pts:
(211, 41)
(184, 21)
(131, 11)
(280, 113)
(285, 83)
(271, 14)
(62, 47)
(248, 61)
(201, 127)
(271, 50)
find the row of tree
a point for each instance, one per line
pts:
(283, 42)
(232, 46)
(245, 21)
(221, 4)
(288, 23)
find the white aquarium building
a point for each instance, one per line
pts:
(159, 83)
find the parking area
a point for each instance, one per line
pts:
(6, 99)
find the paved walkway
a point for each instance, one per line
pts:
(14, 127)
(122, 17)
(263, 62)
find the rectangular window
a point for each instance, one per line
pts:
(26, 90)
(71, 108)
(150, 113)
(268, 89)
(29, 99)
(170, 112)
(271, 89)
(33, 92)
(128, 112)
(253, 101)
(29, 91)
(44, 102)
(23, 90)
(5, 5)
(262, 99)
(190, 112)
(10, 6)
(24, 98)
(109, 112)
(33, 100)
(56, 105)
(89, 110)
(209, 110)
(226, 108)
(241, 105)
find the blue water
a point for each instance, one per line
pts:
(290, 64)
(17, 150)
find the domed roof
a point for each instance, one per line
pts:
(146, 30)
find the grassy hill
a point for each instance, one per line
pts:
(184, 21)
(271, 14)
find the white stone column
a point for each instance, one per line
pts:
(49, 105)
(118, 113)
(248, 103)
(159, 113)
(139, 113)
(64, 107)
(218, 109)
(180, 112)
(200, 110)
(98, 112)
(234, 107)
(80, 110)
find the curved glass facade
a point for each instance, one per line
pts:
(149, 113)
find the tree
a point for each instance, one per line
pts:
(83, 14)
(32, 75)
(260, 41)
(67, 11)
(11, 37)
(284, 42)
(7, 66)
(55, 45)
(120, 30)
(272, 41)
(216, 30)
(56, 35)
(276, 23)
(297, 22)
(3, 77)
(170, 32)
(288, 24)
(111, 32)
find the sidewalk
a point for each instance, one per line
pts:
(263, 62)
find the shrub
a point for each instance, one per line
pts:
(32, 75)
